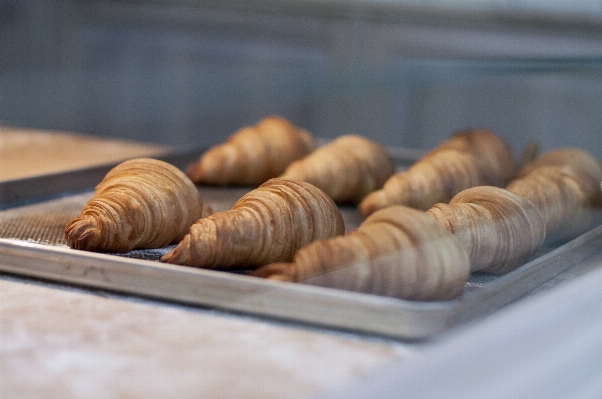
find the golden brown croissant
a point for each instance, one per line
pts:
(266, 225)
(397, 251)
(499, 229)
(253, 154)
(141, 203)
(346, 169)
(564, 184)
(467, 159)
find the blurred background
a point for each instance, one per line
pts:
(406, 73)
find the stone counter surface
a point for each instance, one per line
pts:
(26, 152)
(66, 342)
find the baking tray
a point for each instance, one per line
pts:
(17, 192)
(32, 244)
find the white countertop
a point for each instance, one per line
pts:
(63, 342)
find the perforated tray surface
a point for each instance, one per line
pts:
(44, 223)
(32, 244)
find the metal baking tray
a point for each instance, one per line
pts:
(32, 244)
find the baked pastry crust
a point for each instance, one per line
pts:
(565, 185)
(140, 203)
(397, 251)
(347, 169)
(253, 154)
(499, 229)
(268, 224)
(467, 159)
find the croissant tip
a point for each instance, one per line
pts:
(180, 254)
(170, 257)
(192, 172)
(371, 203)
(280, 277)
(275, 271)
(80, 232)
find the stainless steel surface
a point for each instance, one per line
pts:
(31, 254)
(297, 302)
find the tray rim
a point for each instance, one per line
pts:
(293, 302)
(41, 187)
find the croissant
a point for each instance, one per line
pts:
(564, 184)
(253, 154)
(268, 224)
(347, 169)
(499, 229)
(468, 158)
(140, 203)
(397, 251)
